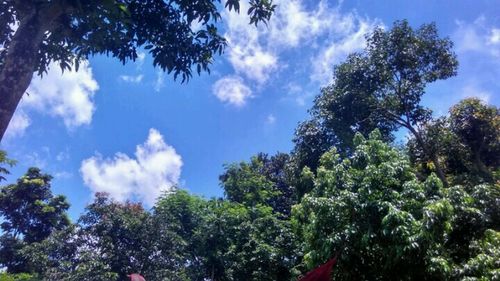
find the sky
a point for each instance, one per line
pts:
(132, 131)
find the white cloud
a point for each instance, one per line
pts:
(478, 36)
(132, 79)
(338, 49)
(18, 124)
(232, 90)
(68, 95)
(155, 169)
(246, 53)
(293, 25)
(295, 30)
(495, 36)
(34, 159)
(252, 61)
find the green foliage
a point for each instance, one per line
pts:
(17, 277)
(178, 216)
(468, 141)
(379, 88)
(382, 210)
(122, 237)
(245, 243)
(388, 225)
(5, 163)
(30, 214)
(244, 183)
(485, 256)
(477, 126)
(79, 29)
(263, 180)
(184, 238)
(223, 240)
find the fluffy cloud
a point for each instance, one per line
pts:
(246, 53)
(337, 50)
(318, 36)
(232, 90)
(155, 169)
(67, 95)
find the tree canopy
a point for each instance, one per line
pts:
(426, 210)
(34, 33)
(30, 213)
(379, 88)
(389, 225)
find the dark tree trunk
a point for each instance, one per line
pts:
(434, 158)
(18, 68)
(21, 59)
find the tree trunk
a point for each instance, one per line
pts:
(21, 59)
(434, 158)
(481, 167)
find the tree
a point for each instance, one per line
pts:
(382, 87)
(388, 225)
(440, 141)
(467, 141)
(221, 240)
(124, 237)
(5, 163)
(69, 255)
(110, 241)
(17, 277)
(179, 216)
(262, 180)
(34, 33)
(239, 242)
(477, 126)
(30, 214)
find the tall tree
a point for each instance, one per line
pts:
(382, 86)
(30, 214)
(477, 125)
(126, 240)
(245, 243)
(467, 140)
(178, 217)
(34, 33)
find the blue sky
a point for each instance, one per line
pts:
(132, 131)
